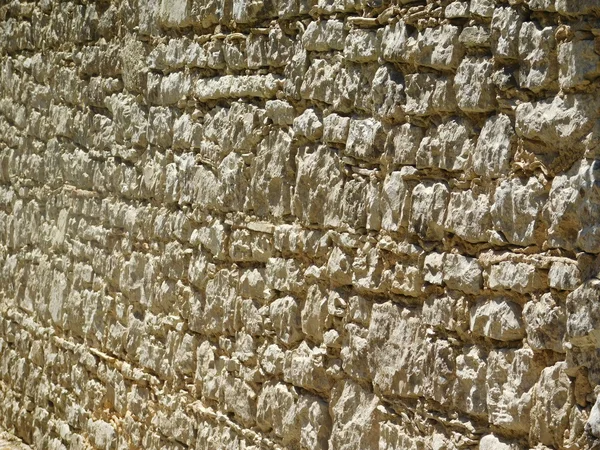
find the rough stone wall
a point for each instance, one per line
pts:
(268, 224)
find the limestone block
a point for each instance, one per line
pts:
(339, 267)
(354, 417)
(469, 216)
(457, 9)
(475, 91)
(545, 323)
(249, 246)
(368, 270)
(469, 391)
(276, 408)
(482, 8)
(438, 47)
(462, 273)
(314, 316)
(272, 359)
(498, 319)
(387, 94)
(537, 52)
(335, 129)
(308, 125)
(361, 45)
(234, 53)
(318, 81)
(175, 13)
(186, 133)
(314, 422)
(578, 63)
(221, 293)
(305, 367)
(160, 130)
(575, 8)
(396, 43)
(324, 35)
(495, 147)
(395, 200)
(506, 23)
(493, 442)
(256, 50)
(246, 12)
(365, 139)
(584, 314)
(280, 112)
(318, 182)
(475, 37)
(519, 277)
(428, 210)
(284, 274)
(239, 398)
(402, 144)
(353, 352)
(564, 276)
(517, 205)
(176, 54)
(236, 86)
(447, 146)
(450, 312)
(510, 379)
(280, 48)
(552, 402)
(234, 185)
(572, 210)
(429, 94)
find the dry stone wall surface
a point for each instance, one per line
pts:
(300, 224)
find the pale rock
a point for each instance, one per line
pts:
(493, 442)
(354, 417)
(272, 360)
(402, 144)
(498, 319)
(339, 267)
(324, 35)
(285, 317)
(469, 216)
(428, 210)
(236, 86)
(318, 80)
(308, 125)
(239, 398)
(572, 210)
(495, 147)
(552, 401)
(516, 209)
(396, 43)
(578, 63)
(475, 91)
(284, 275)
(537, 52)
(564, 276)
(483, 8)
(593, 424)
(387, 94)
(545, 323)
(305, 367)
(245, 245)
(395, 200)
(393, 436)
(276, 408)
(256, 50)
(361, 45)
(438, 47)
(506, 23)
(352, 354)
(433, 268)
(175, 13)
(447, 146)
(577, 7)
(519, 277)
(541, 5)
(234, 185)
(313, 419)
(475, 37)
(368, 270)
(280, 47)
(160, 129)
(583, 310)
(314, 315)
(234, 54)
(335, 129)
(280, 112)
(219, 310)
(429, 94)
(450, 312)
(366, 139)
(318, 184)
(407, 280)
(457, 9)
(462, 273)
(186, 133)
(271, 188)
(469, 391)
(511, 377)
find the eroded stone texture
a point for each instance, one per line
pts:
(300, 224)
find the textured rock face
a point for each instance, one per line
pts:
(300, 224)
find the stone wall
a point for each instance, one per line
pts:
(300, 224)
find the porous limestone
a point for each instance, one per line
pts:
(300, 224)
